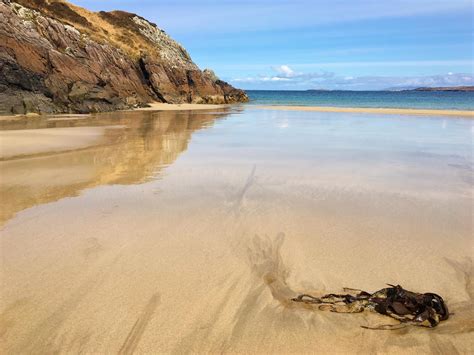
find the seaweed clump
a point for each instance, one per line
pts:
(409, 308)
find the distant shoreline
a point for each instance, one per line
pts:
(392, 111)
(391, 90)
(447, 88)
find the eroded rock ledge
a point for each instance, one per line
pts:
(56, 57)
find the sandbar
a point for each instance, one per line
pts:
(390, 111)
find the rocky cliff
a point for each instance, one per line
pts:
(57, 57)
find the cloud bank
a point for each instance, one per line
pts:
(285, 78)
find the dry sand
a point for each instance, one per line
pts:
(391, 111)
(150, 243)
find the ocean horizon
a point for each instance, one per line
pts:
(439, 100)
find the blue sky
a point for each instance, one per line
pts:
(312, 44)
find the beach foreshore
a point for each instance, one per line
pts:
(18, 143)
(158, 106)
(389, 111)
(191, 232)
(154, 106)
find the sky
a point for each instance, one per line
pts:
(319, 44)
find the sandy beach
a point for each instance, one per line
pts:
(153, 106)
(17, 143)
(185, 232)
(387, 111)
(158, 106)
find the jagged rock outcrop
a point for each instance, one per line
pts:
(57, 57)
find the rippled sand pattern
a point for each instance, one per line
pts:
(185, 232)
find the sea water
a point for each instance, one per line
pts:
(441, 100)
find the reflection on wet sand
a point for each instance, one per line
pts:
(205, 256)
(125, 148)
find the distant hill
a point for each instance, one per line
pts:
(451, 88)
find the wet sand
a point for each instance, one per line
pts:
(153, 106)
(388, 111)
(18, 143)
(158, 106)
(181, 232)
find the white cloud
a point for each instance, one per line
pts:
(286, 74)
(287, 78)
(285, 70)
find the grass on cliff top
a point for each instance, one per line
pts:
(115, 28)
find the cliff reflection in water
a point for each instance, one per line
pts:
(131, 149)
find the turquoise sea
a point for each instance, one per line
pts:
(452, 100)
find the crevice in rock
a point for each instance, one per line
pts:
(146, 76)
(191, 86)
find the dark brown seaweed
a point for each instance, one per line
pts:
(409, 308)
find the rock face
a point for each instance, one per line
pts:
(56, 57)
